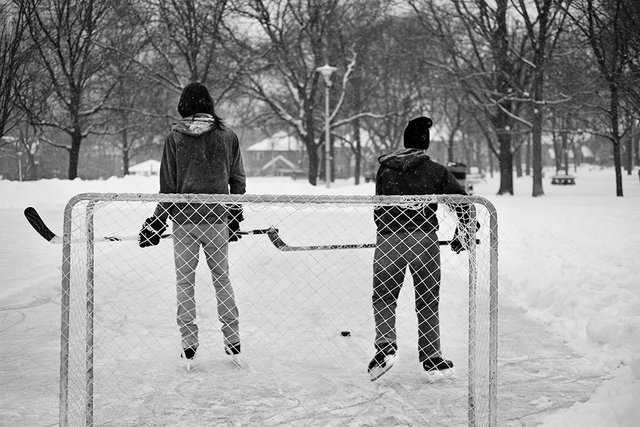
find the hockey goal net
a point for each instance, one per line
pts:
(304, 295)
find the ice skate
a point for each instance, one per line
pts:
(233, 350)
(437, 369)
(383, 360)
(188, 354)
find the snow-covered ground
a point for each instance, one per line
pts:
(569, 348)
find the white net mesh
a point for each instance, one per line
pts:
(296, 290)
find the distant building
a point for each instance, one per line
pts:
(283, 154)
(280, 154)
(147, 168)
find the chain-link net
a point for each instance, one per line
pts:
(309, 296)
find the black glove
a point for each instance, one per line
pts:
(456, 245)
(151, 231)
(461, 240)
(235, 216)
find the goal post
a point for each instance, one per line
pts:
(120, 343)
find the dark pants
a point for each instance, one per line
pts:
(419, 252)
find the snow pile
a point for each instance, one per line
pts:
(571, 260)
(615, 403)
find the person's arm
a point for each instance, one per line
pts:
(463, 231)
(237, 177)
(154, 226)
(168, 177)
(237, 185)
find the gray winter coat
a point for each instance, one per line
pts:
(200, 156)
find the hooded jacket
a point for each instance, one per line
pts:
(200, 156)
(411, 172)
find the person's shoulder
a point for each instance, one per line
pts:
(224, 129)
(229, 134)
(433, 164)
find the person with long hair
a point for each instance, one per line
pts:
(201, 155)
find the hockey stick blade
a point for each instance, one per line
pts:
(281, 245)
(38, 224)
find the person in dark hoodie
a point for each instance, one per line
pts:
(201, 155)
(406, 237)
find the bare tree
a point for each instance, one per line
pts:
(286, 41)
(139, 115)
(543, 21)
(395, 82)
(14, 53)
(611, 30)
(482, 51)
(139, 109)
(69, 37)
(185, 43)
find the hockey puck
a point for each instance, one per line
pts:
(345, 333)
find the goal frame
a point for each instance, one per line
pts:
(93, 198)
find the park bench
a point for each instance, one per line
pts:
(563, 180)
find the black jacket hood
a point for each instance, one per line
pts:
(403, 160)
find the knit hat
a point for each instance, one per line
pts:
(195, 99)
(416, 134)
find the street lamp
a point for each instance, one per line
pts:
(326, 71)
(20, 165)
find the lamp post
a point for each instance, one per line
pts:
(326, 71)
(20, 165)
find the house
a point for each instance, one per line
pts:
(146, 168)
(285, 155)
(280, 154)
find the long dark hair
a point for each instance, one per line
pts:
(194, 99)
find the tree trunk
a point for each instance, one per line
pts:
(125, 153)
(558, 152)
(636, 141)
(125, 162)
(528, 156)
(491, 165)
(517, 156)
(74, 153)
(629, 148)
(312, 153)
(506, 164)
(536, 143)
(615, 132)
(477, 152)
(502, 121)
(358, 154)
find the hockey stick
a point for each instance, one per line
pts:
(38, 224)
(281, 245)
